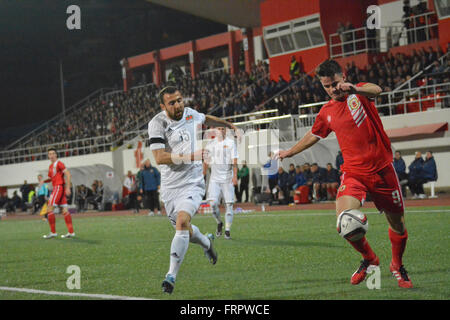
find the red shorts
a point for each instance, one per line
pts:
(382, 186)
(58, 196)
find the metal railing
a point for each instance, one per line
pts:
(216, 70)
(352, 42)
(41, 128)
(251, 115)
(411, 30)
(417, 75)
(401, 32)
(429, 96)
(65, 149)
(424, 97)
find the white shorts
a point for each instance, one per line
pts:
(187, 199)
(216, 189)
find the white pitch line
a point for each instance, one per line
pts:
(72, 294)
(306, 214)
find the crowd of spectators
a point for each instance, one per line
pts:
(312, 182)
(101, 124)
(141, 191)
(415, 22)
(86, 196)
(420, 172)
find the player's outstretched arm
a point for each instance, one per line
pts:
(213, 121)
(163, 157)
(307, 141)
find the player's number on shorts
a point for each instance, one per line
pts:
(396, 197)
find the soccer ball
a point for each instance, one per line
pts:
(352, 224)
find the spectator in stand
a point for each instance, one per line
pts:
(308, 175)
(291, 181)
(95, 197)
(331, 182)
(349, 37)
(408, 23)
(244, 176)
(318, 182)
(340, 30)
(415, 179)
(131, 187)
(421, 32)
(150, 184)
(6, 203)
(16, 201)
(339, 161)
(42, 194)
(429, 169)
(282, 185)
(299, 178)
(82, 194)
(24, 190)
(294, 67)
(400, 169)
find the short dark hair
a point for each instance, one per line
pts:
(52, 149)
(314, 164)
(166, 90)
(328, 68)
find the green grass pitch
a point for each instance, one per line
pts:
(273, 255)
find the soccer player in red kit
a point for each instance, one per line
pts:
(367, 164)
(61, 187)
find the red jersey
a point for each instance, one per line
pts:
(365, 147)
(56, 173)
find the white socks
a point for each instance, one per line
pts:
(199, 238)
(180, 244)
(216, 212)
(228, 216)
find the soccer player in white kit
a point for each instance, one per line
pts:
(173, 135)
(222, 158)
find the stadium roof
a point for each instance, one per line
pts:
(239, 13)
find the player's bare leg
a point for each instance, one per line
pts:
(68, 220)
(362, 245)
(185, 233)
(398, 235)
(52, 222)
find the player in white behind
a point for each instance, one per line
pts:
(222, 158)
(173, 135)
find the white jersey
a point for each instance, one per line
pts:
(178, 137)
(222, 155)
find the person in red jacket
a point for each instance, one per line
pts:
(367, 166)
(60, 178)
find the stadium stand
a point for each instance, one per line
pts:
(101, 123)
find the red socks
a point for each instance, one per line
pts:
(398, 243)
(51, 221)
(68, 219)
(363, 247)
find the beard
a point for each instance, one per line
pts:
(175, 115)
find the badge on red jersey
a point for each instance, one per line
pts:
(356, 109)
